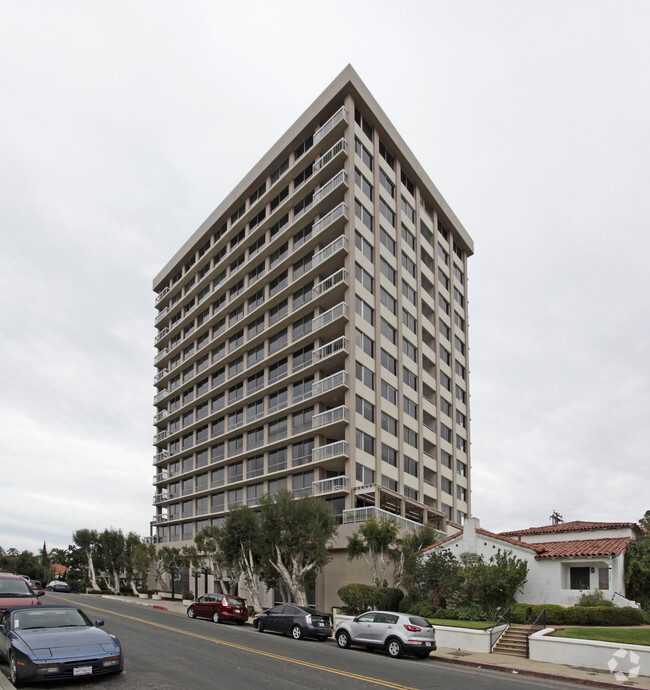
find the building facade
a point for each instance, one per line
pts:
(312, 335)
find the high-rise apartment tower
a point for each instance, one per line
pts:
(312, 335)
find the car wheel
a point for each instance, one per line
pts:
(13, 672)
(296, 632)
(216, 617)
(343, 639)
(422, 655)
(190, 612)
(260, 626)
(394, 648)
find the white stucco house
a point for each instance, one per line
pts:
(564, 560)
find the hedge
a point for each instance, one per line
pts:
(577, 615)
(359, 597)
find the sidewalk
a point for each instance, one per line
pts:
(493, 662)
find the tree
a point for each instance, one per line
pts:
(437, 577)
(131, 544)
(241, 545)
(211, 557)
(372, 542)
(296, 534)
(404, 555)
(637, 564)
(88, 541)
(112, 545)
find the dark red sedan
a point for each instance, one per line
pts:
(219, 607)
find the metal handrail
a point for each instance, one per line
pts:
(538, 624)
(502, 623)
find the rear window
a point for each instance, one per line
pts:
(421, 622)
(233, 601)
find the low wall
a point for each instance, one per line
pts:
(629, 659)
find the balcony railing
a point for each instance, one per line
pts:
(338, 310)
(160, 355)
(305, 491)
(331, 450)
(159, 498)
(340, 114)
(160, 416)
(161, 334)
(327, 220)
(161, 315)
(338, 179)
(160, 375)
(165, 291)
(321, 162)
(336, 414)
(160, 477)
(160, 436)
(338, 345)
(160, 518)
(331, 249)
(340, 378)
(339, 277)
(362, 514)
(161, 395)
(325, 486)
(163, 455)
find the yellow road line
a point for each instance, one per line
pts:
(252, 650)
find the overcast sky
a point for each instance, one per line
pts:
(124, 124)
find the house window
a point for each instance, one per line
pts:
(579, 578)
(603, 578)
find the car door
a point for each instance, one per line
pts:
(383, 626)
(202, 607)
(272, 619)
(361, 628)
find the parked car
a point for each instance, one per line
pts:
(56, 642)
(297, 621)
(219, 607)
(396, 633)
(35, 585)
(15, 590)
(58, 586)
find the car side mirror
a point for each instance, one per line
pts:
(98, 624)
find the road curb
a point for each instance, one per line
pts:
(527, 672)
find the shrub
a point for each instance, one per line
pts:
(447, 614)
(358, 597)
(186, 594)
(473, 612)
(595, 598)
(577, 615)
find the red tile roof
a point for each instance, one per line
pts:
(575, 526)
(485, 533)
(582, 547)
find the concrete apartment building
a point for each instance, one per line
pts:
(312, 335)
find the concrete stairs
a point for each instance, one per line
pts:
(513, 642)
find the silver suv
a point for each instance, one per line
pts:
(395, 632)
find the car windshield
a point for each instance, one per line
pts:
(14, 587)
(49, 618)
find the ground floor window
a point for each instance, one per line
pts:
(603, 578)
(579, 578)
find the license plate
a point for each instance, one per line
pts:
(82, 671)
(321, 624)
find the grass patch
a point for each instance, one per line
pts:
(453, 623)
(620, 635)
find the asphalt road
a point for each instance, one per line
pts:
(168, 650)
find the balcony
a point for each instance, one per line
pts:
(161, 315)
(160, 375)
(340, 115)
(163, 455)
(160, 436)
(340, 276)
(329, 155)
(338, 179)
(337, 245)
(329, 416)
(160, 477)
(337, 212)
(340, 378)
(363, 514)
(161, 334)
(364, 489)
(305, 491)
(161, 395)
(160, 416)
(159, 498)
(326, 486)
(160, 518)
(338, 345)
(165, 291)
(336, 312)
(330, 450)
(161, 355)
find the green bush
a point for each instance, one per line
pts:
(577, 615)
(358, 597)
(595, 598)
(186, 594)
(447, 614)
(473, 612)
